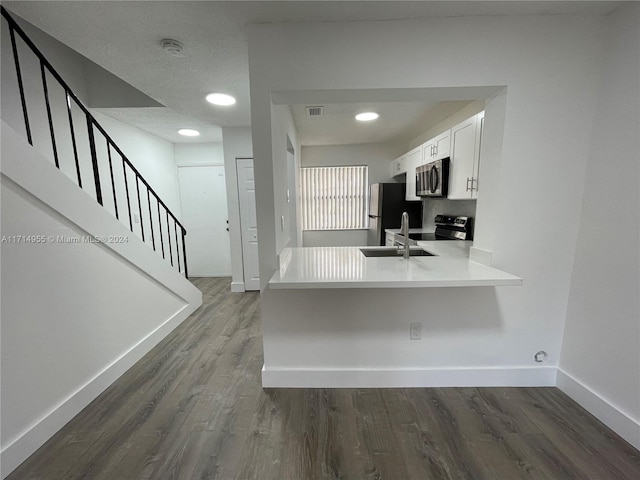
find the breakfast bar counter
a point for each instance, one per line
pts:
(348, 267)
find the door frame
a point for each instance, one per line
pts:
(242, 252)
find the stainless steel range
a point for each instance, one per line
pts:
(448, 227)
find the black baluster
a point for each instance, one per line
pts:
(73, 138)
(46, 100)
(14, 46)
(175, 229)
(169, 238)
(140, 207)
(160, 227)
(94, 159)
(184, 253)
(126, 187)
(113, 183)
(153, 239)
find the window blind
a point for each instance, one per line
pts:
(334, 198)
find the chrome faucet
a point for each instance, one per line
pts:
(404, 231)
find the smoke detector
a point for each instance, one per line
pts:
(172, 47)
(315, 111)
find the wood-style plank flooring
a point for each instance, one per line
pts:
(193, 408)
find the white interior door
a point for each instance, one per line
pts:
(248, 223)
(204, 212)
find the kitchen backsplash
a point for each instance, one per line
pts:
(434, 206)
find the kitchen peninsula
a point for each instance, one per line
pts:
(333, 317)
(348, 267)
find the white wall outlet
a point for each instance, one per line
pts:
(415, 331)
(136, 218)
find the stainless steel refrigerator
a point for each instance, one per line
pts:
(386, 204)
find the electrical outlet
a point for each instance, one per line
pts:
(415, 331)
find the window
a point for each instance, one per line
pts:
(334, 198)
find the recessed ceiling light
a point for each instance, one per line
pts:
(188, 132)
(220, 99)
(366, 116)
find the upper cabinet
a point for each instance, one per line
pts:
(399, 166)
(437, 148)
(466, 140)
(413, 160)
(462, 144)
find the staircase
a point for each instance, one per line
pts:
(80, 147)
(94, 267)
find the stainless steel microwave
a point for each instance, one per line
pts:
(432, 179)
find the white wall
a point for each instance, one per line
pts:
(151, 155)
(207, 153)
(283, 128)
(236, 143)
(550, 67)
(374, 156)
(600, 362)
(75, 316)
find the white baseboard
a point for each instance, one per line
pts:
(419, 377)
(601, 408)
(20, 448)
(237, 287)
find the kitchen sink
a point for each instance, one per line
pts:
(394, 252)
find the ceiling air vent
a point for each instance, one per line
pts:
(314, 111)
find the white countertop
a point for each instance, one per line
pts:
(347, 267)
(411, 230)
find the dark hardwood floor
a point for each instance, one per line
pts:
(193, 408)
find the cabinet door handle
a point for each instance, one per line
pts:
(468, 180)
(474, 180)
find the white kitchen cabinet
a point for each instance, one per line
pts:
(399, 166)
(475, 186)
(437, 148)
(442, 145)
(465, 158)
(413, 160)
(390, 238)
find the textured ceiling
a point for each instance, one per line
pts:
(165, 123)
(398, 121)
(124, 36)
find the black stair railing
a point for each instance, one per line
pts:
(94, 129)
